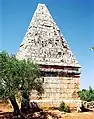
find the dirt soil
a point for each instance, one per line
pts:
(6, 112)
(84, 115)
(73, 115)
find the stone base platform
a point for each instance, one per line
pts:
(56, 103)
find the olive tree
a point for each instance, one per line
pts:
(9, 79)
(29, 75)
(18, 76)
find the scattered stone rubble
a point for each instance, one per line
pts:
(88, 104)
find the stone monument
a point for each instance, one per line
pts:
(44, 44)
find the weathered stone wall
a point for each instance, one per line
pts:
(61, 88)
(58, 89)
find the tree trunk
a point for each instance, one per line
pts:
(25, 107)
(16, 107)
(14, 104)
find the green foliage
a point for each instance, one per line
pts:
(92, 48)
(64, 107)
(29, 75)
(8, 75)
(18, 76)
(87, 95)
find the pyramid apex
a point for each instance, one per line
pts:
(41, 4)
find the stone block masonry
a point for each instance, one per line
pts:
(45, 45)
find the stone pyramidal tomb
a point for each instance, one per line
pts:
(44, 44)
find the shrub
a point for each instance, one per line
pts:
(64, 107)
(87, 95)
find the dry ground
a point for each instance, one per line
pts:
(84, 115)
(74, 115)
(5, 109)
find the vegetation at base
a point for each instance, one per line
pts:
(18, 76)
(64, 107)
(87, 95)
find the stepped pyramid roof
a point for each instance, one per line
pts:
(44, 43)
